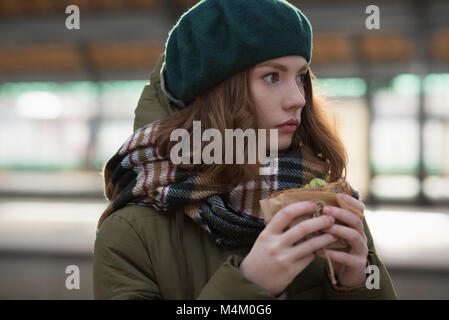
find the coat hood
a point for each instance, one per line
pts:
(153, 103)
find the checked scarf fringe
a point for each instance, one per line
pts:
(138, 175)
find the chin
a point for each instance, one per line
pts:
(284, 143)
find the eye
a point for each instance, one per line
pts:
(273, 75)
(302, 79)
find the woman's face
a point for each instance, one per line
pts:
(277, 90)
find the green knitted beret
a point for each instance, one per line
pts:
(218, 38)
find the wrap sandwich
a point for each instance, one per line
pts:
(322, 193)
(317, 190)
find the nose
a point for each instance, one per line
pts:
(294, 96)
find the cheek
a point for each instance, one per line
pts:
(264, 114)
(261, 104)
(264, 102)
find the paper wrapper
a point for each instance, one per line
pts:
(271, 206)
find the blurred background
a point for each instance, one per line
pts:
(67, 100)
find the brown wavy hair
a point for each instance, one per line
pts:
(228, 105)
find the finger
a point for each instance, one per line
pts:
(302, 229)
(355, 239)
(286, 215)
(346, 217)
(343, 258)
(320, 253)
(352, 201)
(310, 246)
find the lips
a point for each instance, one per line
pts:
(289, 126)
(291, 122)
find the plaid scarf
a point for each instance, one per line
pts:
(138, 175)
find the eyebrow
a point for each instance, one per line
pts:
(280, 66)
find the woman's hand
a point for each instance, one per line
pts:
(276, 257)
(349, 267)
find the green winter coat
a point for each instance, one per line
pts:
(138, 255)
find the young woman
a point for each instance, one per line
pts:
(230, 64)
